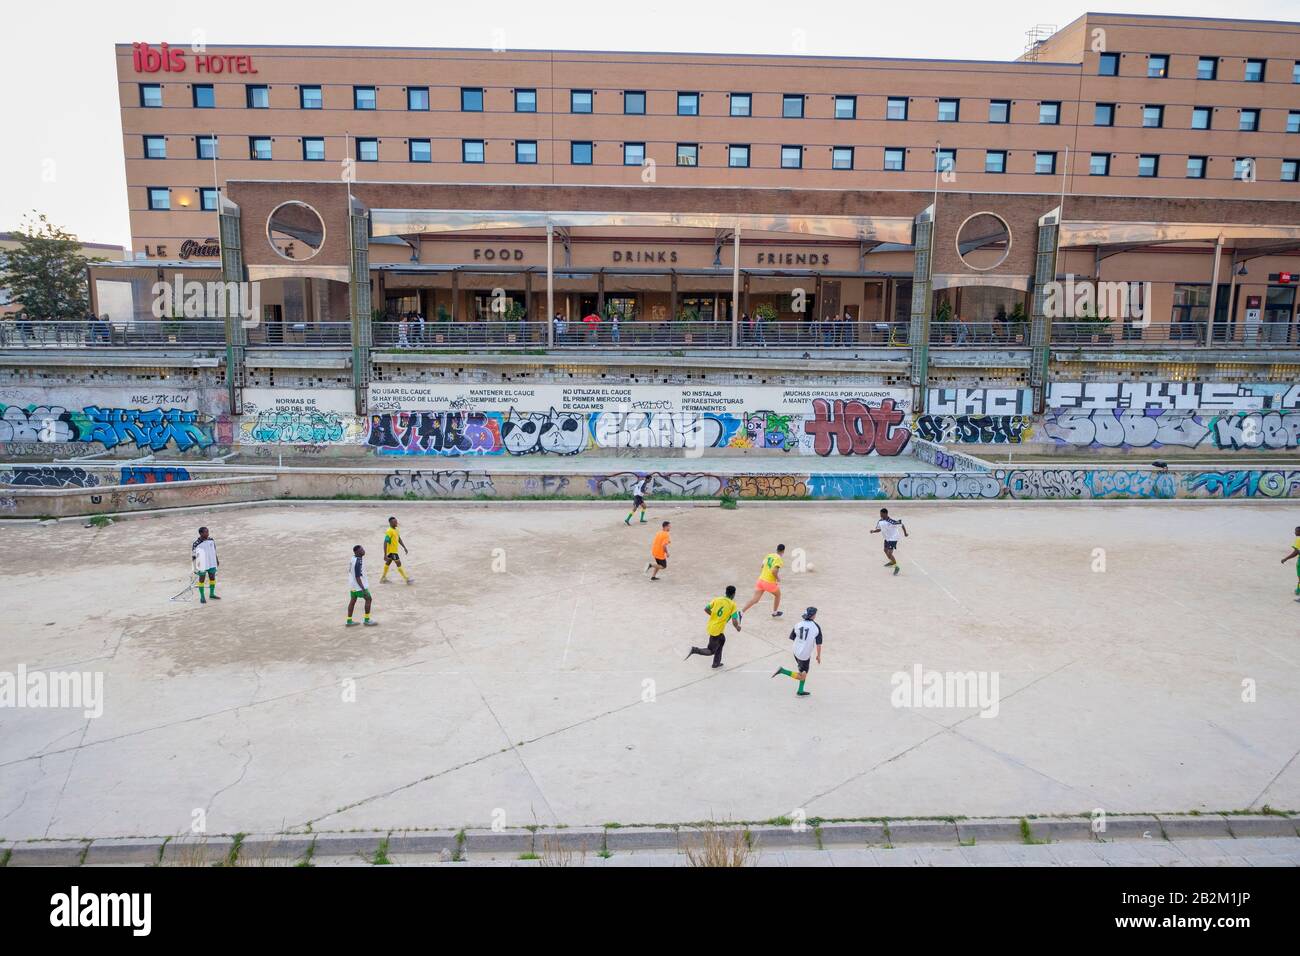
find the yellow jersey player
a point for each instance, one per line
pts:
(1295, 553)
(720, 610)
(769, 581)
(392, 539)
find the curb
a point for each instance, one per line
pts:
(137, 850)
(1212, 827)
(48, 853)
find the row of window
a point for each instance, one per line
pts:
(582, 153)
(896, 108)
(1207, 67)
(160, 198)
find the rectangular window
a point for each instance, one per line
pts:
(1103, 114)
(1049, 114)
(1148, 166)
(995, 161)
(1290, 170)
(688, 154)
(526, 152)
(525, 101)
(1244, 169)
(738, 156)
(634, 102)
(791, 157)
(1044, 163)
(471, 99)
(1099, 164)
(1157, 66)
(1195, 167)
(1108, 64)
(1293, 121)
(633, 154)
(742, 104)
(792, 106)
(1254, 71)
(846, 107)
(1248, 122)
(1207, 68)
(948, 110)
(580, 101)
(259, 147)
(150, 95)
(895, 159)
(363, 97)
(896, 108)
(368, 150)
(206, 147)
(258, 97)
(313, 149)
(309, 98)
(688, 104)
(471, 151)
(1153, 117)
(417, 99)
(155, 147)
(999, 111)
(1295, 72)
(420, 151)
(1201, 117)
(841, 157)
(209, 198)
(580, 153)
(945, 160)
(160, 198)
(204, 97)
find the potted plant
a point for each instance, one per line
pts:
(1093, 327)
(443, 316)
(689, 317)
(764, 312)
(515, 313)
(943, 316)
(1019, 324)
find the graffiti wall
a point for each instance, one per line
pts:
(322, 416)
(974, 429)
(1185, 396)
(110, 419)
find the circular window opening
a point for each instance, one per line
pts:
(984, 241)
(295, 230)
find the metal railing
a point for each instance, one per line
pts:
(300, 335)
(637, 334)
(1117, 334)
(179, 333)
(1008, 334)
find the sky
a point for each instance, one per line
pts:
(63, 139)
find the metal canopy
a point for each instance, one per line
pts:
(411, 222)
(1135, 234)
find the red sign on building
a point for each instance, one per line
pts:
(170, 59)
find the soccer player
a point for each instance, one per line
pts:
(1295, 553)
(204, 553)
(392, 538)
(659, 551)
(638, 500)
(769, 581)
(807, 634)
(360, 586)
(720, 610)
(889, 528)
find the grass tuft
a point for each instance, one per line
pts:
(715, 846)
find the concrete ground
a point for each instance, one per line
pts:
(532, 675)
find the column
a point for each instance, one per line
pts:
(359, 282)
(232, 270)
(1040, 323)
(918, 332)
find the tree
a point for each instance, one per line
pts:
(46, 273)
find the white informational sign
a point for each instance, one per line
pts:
(586, 399)
(1185, 396)
(319, 400)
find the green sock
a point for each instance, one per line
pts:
(349, 618)
(212, 589)
(782, 670)
(643, 517)
(367, 616)
(801, 687)
(629, 517)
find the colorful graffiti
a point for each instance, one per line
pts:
(1115, 428)
(155, 429)
(1245, 484)
(948, 486)
(979, 401)
(36, 423)
(767, 486)
(49, 476)
(1257, 430)
(846, 486)
(439, 484)
(555, 433)
(435, 433)
(661, 430)
(764, 429)
(974, 429)
(301, 427)
(853, 428)
(151, 474)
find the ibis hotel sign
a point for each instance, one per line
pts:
(172, 59)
